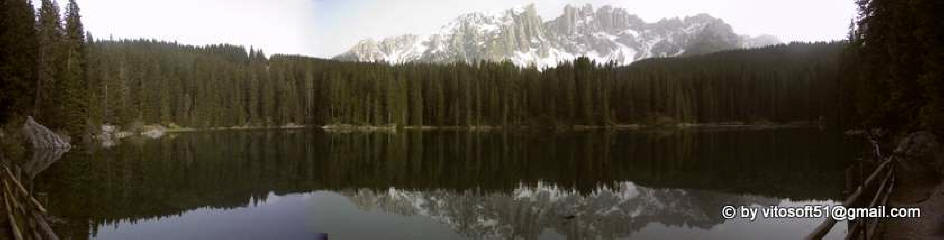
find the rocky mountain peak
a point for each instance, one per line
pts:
(519, 34)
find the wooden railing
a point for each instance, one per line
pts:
(25, 216)
(884, 175)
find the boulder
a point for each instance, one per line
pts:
(921, 151)
(153, 131)
(42, 138)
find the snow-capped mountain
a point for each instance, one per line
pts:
(603, 34)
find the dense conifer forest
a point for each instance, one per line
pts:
(158, 82)
(51, 69)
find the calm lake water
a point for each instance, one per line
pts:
(307, 184)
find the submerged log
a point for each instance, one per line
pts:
(42, 138)
(26, 215)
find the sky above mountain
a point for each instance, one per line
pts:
(324, 28)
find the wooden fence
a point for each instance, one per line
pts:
(872, 192)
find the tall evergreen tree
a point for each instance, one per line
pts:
(73, 83)
(46, 107)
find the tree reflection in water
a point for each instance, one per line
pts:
(606, 184)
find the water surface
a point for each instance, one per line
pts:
(303, 184)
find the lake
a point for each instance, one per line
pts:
(309, 184)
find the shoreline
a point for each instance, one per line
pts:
(110, 133)
(618, 127)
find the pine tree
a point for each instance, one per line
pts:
(18, 58)
(46, 106)
(73, 84)
(416, 101)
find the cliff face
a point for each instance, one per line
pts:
(603, 34)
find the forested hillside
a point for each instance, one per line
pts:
(222, 85)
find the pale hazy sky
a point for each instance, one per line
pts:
(324, 28)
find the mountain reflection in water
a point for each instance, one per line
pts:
(296, 184)
(527, 212)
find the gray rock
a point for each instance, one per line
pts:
(42, 138)
(921, 151)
